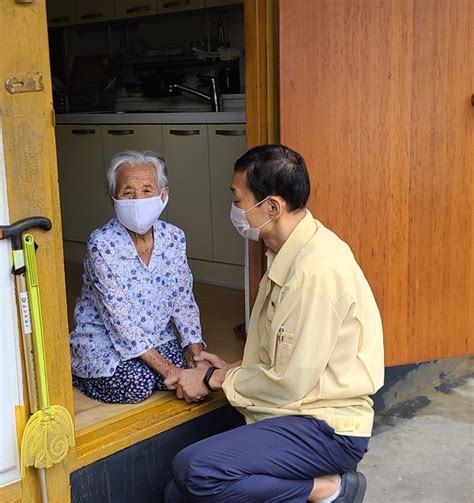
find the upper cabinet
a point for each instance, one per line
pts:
(91, 11)
(60, 12)
(67, 12)
(135, 8)
(165, 6)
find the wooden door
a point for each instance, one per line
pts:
(376, 95)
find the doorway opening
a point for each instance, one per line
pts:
(111, 78)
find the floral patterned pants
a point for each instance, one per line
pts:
(133, 381)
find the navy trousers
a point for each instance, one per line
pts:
(273, 460)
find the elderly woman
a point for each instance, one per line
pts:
(137, 294)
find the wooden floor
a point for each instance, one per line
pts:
(221, 310)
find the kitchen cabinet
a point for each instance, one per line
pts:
(135, 8)
(187, 157)
(220, 3)
(199, 160)
(84, 201)
(90, 11)
(60, 12)
(178, 5)
(226, 144)
(116, 138)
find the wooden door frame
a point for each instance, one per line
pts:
(32, 189)
(261, 94)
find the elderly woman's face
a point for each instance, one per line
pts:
(137, 182)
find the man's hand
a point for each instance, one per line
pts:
(211, 360)
(188, 384)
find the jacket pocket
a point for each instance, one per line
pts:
(285, 344)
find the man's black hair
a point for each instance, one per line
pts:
(276, 170)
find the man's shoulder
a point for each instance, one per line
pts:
(325, 250)
(326, 263)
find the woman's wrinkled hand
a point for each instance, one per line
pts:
(190, 352)
(211, 360)
(188, 384)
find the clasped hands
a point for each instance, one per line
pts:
(188, 383)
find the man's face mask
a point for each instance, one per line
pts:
(239, 219)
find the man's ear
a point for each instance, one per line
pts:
(276, 206)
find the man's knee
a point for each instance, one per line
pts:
(189, 470)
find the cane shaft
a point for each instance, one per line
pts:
(26, 330)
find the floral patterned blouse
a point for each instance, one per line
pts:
(127, 307)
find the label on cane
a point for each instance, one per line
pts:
(25, 312)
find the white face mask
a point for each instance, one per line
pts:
(138, 215)
(239, 219)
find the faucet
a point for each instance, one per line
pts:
(214, 97)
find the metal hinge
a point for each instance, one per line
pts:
(27, 83)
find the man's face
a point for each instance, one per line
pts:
(243, 198)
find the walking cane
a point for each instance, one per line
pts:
(49, 432)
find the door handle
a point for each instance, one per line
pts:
(231, 132)
(93, 15)
(185, 132)
(62, 19)
(168, 5)
(82, 132)
(141, 8)
(120, 132)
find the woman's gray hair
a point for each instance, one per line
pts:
(134, 158)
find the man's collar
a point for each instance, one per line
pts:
(279, 264)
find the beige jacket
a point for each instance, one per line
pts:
(315, 344)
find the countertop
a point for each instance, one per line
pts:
(231, 117)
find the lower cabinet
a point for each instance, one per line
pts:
(84, 200)
(226, 144)
(116, 138)
(187, 158)
(199, 160)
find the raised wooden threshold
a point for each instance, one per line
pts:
(121, 426)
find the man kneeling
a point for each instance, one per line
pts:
(314, 354)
